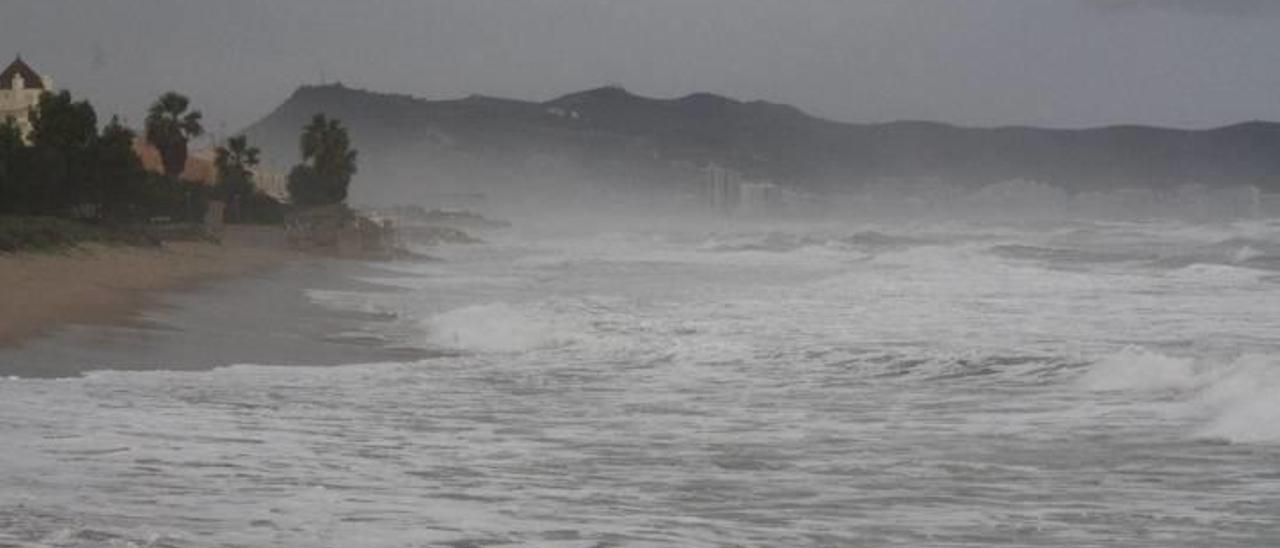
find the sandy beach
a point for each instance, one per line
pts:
(109, 284)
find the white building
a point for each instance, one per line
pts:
(723, 188)
(20, 91)
(727, 192)
(759, 198)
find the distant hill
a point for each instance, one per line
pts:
(611, 134)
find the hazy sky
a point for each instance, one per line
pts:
(1189, 63)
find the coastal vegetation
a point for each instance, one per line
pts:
(234, 163)
(52, 234)
(328, 162)
(68, 168)
(170, 127)
(321, 221)
(69, 182)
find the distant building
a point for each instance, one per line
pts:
(1203, 203)
(759, 198)
(272, 183)
(20, 91)
(722, 190)
(727, 192)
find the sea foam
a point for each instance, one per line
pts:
(1244, 400)
(1235, 400)
(1138, 369)
(497, 328)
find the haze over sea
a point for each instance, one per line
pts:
(837, 384)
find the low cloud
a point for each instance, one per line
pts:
(1237, 8)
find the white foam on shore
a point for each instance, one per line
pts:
(345, 301)
(498, 328)
(593, 330)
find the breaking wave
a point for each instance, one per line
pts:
(866, 241)
(1141, 370)
(775, 242)
(1064, 255)
(1233, 400)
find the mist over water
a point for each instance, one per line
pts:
(710, 384)
(660, 273)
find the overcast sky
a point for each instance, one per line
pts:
(1072, 63)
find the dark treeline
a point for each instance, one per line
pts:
(68, 167)
(68, 181)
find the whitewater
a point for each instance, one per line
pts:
(763, 384)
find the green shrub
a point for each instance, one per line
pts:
(259, 208)
(55, 234)
(42, 233)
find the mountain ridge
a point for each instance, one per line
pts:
(609, 132)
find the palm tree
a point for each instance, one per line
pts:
(169, 127)
(326, 142)
(328, 164)
(235, 162)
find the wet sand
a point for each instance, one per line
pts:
(198, 307)
(111, 284)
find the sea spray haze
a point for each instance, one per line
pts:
(961, 273)
(779, 384)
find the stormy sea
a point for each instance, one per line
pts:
(940, 384)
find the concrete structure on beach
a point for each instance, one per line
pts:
(20, 91)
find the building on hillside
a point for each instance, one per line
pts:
(20, 91)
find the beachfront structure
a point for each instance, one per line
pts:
(20, 90)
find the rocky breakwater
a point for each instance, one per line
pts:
(339, 231)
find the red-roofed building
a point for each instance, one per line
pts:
(199, 169)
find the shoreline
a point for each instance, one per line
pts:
(110, 285)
